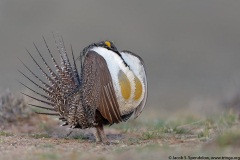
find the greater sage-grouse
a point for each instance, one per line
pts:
(110, 87)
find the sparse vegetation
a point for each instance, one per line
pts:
(12, 108)
(155, 137)
(158, 138)
(80, 137)
(229, 138)
(2, 133)
(39, 135)
(48, 156)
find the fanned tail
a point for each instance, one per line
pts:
(63, 82)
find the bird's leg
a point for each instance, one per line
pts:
(97, 136)
(100, 135)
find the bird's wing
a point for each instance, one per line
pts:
(98, 87)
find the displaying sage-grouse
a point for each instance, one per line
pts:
(110, 88)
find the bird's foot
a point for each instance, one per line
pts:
(103, 142)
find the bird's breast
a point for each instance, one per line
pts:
(126, 89)
(129, 88)
(124, 84)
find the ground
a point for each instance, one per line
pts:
(41, 137)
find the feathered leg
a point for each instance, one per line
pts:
(100, 135)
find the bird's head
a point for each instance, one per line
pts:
(108, 45)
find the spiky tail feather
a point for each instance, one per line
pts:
(63, 87)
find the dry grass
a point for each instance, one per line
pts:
(136, 139)
(40, 137)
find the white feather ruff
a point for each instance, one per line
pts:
(115, 64)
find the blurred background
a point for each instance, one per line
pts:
(191, 49)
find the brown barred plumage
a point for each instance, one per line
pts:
(89, 98)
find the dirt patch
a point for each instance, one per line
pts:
(41, 137)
